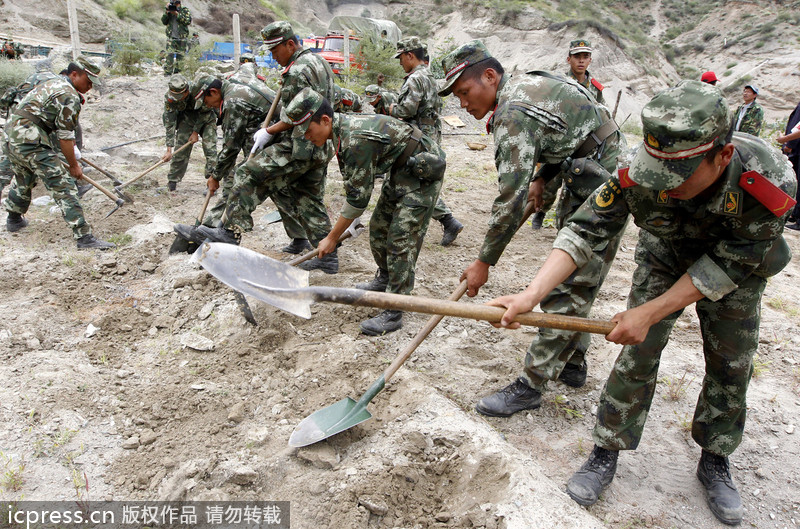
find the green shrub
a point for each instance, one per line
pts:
(13, 73)
(138, 10)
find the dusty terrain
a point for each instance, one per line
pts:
(175, 396)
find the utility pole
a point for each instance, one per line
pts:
(237, 40)
(73, 29)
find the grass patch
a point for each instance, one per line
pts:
(676, 387)
(561, 402)
(760, 367)
(120, 239)
(11, 474)
(13, 73)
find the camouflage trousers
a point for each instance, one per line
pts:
(440, 210)
(6, 172)
(550, 193)
(730, 339)
(297, 187)
(174, 55)
(180, 161)
(31, 161)
(397, 228)
(552, 349)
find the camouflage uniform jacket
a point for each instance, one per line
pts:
(752, 121)
(243, 112)
(345, 100)
(56, 106)
(306, 69)
(538, 119)
(718, 241)
(175, 111)
(14, 95)
(184, 18)
(387, 99)
(418, 102)
(370, 145)
(592, 85)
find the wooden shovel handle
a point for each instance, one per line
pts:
(199, 219)
(154, 166)
(271, 111)
(114, 179)
(384, 300)
(313, 253)
(105, 191)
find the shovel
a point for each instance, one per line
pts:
(180, 245)
(117, 200)
(121, 186)
(270, 112)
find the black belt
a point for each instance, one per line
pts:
(413, 141)
(430, 122)
(36, 120)
(596, 138)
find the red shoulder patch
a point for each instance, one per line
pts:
(597, 84)
(624, 179)
(286, 70)
(770, 195)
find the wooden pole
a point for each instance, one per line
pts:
(237, 40)
(73, 29)
(346, 49)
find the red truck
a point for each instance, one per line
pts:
(333, 49)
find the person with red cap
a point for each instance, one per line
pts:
(710, 78)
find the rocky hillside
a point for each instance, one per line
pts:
(641, 47)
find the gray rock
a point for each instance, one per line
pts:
(148, 267)
(147, 437)
(443, 516)
(206, 311)
(236, 413)
(197, 342)
(320, 455)
(131, 443)
(377, 508)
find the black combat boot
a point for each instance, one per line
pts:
(721, 494)
(515, 397)
(593, 477)
(219, 235)
(795, 226)
(82, 190)
(328, 264)
(574, 375)
(537, 219)
(451, 228)
(91, 242)
(15, 222)
(297, 246)
(378, 283)
(385, 322)
(188, 232)
(172, 186)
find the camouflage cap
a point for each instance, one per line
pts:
(372, 93)
(409, 44)
(580, 46)
(247, 57)
(680, 126)
(199, 88)
(276, 33)
(91, 69)
(299, 111)
(178, 87)
(455, 62)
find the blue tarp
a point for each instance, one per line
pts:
(223, 51)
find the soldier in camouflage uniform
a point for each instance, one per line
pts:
(345, 100)
(185, 124)
(419, 103)
(291, 170)
(579, 59)
(53, 106)
(749, 117)
(379, 98)
(176, 19)
(415, 165)
(243, 102)
(711, 206)
(538, 117)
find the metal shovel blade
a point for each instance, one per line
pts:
(334, 419)
(240, 269)
(273, 217)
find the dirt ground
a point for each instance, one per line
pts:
(132, 375)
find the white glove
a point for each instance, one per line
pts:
(355, 229)
(261, 138)
(77, 152)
